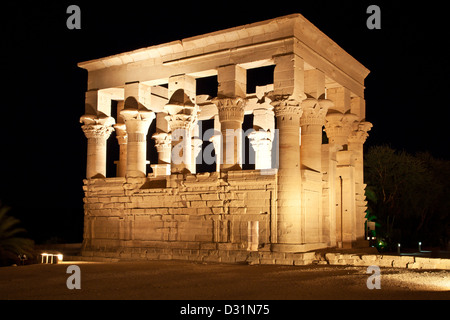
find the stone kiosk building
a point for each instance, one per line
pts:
(307, 189)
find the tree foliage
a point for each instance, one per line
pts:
(412, 195)
(12, 240)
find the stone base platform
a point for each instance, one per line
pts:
(202, 254)
(361, 257)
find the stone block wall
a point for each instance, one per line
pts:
(179, 216)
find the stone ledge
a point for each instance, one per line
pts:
(212, 253)
(407, 262)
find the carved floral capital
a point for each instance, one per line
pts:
(360, 134)
(230, 109)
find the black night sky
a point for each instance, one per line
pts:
(42, 146)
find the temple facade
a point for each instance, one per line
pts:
(304, 190)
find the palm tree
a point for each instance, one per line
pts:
(12, 244)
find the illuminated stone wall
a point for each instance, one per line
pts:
(180, 213)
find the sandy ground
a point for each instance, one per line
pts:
(173, 280)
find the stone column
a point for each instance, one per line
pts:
(97, 131)
(230, 104)
(180, 120)
(182, 114)
(163, 144)
(356, 142)
(261, 141)
(137, 123)
(329, 167)
(286, 99)
(231, 117)
(311, 122)
(196, 145)
(216, 139)
(338, 128)
(262, 138)
(217, 143)
(181, 143)
(289, 227)
(122, 139)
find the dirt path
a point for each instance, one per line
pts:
(172, 280)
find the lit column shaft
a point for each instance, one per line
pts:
(231, 117)
(289, 226)
(262, 138)
(356, 142)
(338, 128)
(261, 141)
(311, 122)
(137, 125)
(122, 139)
(181, 155)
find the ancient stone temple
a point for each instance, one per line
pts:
(291, 182)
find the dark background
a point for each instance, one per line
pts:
(42, 146)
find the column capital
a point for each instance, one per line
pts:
(121, 133)
(163, 144)
(260, 138)
(136, 114)
(338, 126)
(360, 134)
(97, 126)
(230, 108)
(182, 112)
(261, 142)
(284, 105)
(97, 119)
(137, 122)
(315, 111)
(96, 131)
(180, 121)
(163, 141)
